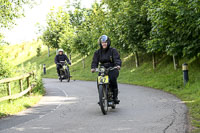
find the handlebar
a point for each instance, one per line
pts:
(60, 63)
(63, 62)
(106, 69)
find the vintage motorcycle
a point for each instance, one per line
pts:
(64, 71)
(105, 91)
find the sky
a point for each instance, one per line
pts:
(26, 29)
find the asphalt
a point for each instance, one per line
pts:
(72, 108)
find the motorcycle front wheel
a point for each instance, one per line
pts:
(60, 76)
(103, 102)
(67, 75)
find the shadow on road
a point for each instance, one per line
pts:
(48, 104)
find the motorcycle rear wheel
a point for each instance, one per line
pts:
(114, 106)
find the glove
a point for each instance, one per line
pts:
(93, 70)
(69, 63)
(118, 67)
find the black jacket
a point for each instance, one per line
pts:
(62, 57)
(108, 58)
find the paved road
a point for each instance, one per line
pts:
(72, 108)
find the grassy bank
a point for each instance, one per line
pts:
(164, 77)
(18, 105)
(17, 56)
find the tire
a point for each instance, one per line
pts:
(114, 106)
(60, 76)
(103, 99)
(60, 79)
(67, 75)
(68, 80)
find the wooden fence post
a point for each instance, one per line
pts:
(28, 84)
(21, 85)
(33, 76)
(9, 90)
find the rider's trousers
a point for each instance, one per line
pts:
(58, 67)
(113, 75)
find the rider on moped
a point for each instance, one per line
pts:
(108, 57)
(61, 57)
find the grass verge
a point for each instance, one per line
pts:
(14, 106)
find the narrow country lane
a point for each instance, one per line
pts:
(72, 108)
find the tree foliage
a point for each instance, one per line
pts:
(175, 27)
(155, 26)
(10, 10)
(57, 24)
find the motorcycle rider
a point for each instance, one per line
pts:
(108, 57)
(61, 57)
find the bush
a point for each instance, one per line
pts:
(37, 76)
(5, 67)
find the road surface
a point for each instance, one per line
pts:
(72, 108)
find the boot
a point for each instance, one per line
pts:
(115, 96)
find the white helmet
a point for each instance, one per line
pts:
(60, 50)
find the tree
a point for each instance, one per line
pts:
(81, 38)
(10, 10)
(175, 28)
(66, 39)
(56, 26)
(131, 25)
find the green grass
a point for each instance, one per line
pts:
(18, 55)
(7, 108)
(164, 77)
(14, 106)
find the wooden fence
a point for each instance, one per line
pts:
(22, 91)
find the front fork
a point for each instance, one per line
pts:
(105, 89)
(109, 94)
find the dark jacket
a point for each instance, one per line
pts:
(62, 57)
(108, 58)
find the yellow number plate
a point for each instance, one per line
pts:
(104, 79)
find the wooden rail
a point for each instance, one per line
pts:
(22, 92)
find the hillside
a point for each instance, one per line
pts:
(164, 77)
(16, 55)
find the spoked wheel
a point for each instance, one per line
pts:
(68, 76)
(103, 102)
(60, 79)
(60, 76)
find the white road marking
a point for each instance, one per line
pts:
(41, 116)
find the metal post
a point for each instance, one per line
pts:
(185, 73)
(44, 69)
